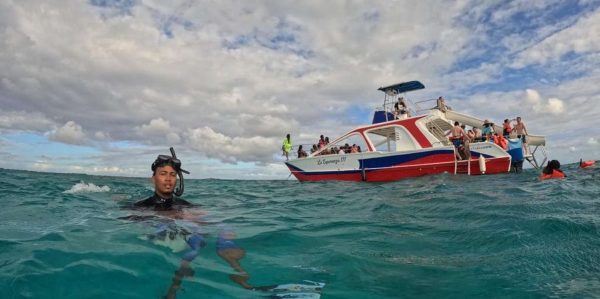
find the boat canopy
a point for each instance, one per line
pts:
(402, 87)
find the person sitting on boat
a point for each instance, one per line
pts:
(400, 109)
(321, 142)
(506, 128)
(477, 134)
(457, 134)
(301, 152)
(488, 130)
(354, 149)
(314, 149)
(441, 105)
(552, 171)
(287, 146)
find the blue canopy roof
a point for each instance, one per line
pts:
(402, 87)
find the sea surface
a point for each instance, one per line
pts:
(442, 236)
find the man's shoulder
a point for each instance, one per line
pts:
(181, 201)
(144, 202)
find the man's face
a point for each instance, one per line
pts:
(164, 180)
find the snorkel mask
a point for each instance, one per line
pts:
(172, 160)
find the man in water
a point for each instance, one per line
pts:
(165, 204)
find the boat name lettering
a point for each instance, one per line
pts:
(482, 147)
(331, 161)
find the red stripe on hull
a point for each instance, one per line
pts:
(435, 165)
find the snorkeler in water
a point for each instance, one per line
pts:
(166, 205)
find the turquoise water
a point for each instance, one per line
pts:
(444, 236)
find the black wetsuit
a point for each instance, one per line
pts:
(162, 204)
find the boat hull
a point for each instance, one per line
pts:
(378, 167)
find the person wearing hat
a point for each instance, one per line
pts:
(488, 129)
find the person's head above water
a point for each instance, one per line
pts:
(164, 178)
(165, 170)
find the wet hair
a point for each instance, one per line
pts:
(551, 166)
(456, 123)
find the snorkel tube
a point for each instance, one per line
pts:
(178, 190)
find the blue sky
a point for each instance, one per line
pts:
(102, 87)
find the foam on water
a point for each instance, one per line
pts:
(83, 187)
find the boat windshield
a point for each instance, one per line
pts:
(391, 139)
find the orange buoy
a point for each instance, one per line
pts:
(585, 164)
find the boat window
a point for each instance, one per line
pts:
(392, 139)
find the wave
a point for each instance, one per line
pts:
(83, 187)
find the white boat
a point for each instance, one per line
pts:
(394, 149)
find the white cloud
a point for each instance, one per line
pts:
(219, 146)
(20, 120)
(70, 133)
(582, 37)
(552, 105)
(159, 130)
(231, 80)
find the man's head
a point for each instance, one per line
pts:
(518, 119)
(164, 174)
(164, 178)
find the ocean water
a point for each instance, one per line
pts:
(443, 236)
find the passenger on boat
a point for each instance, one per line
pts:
(521, 132)
(465, 148)
(400, 109)
(552, 171)
(441, 105)
(477, 134)
(301, 152)
(471, 135)
(488, 130)
(457, 134)
(354, 149)
(287, 146)
(321, 142)
(326, 140)
(506, 128)
(314, 149)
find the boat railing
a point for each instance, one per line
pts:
(418, 104)
(388, 106)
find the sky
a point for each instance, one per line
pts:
(103, 86)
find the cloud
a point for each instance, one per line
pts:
(219, 146)
(70, 133)
(580, 38)
(229, 82)
(552, 105)
(21, 120)
(159, 130)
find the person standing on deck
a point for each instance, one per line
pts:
(287, 146)
(521, 133)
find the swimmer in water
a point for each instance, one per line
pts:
(166, 204)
